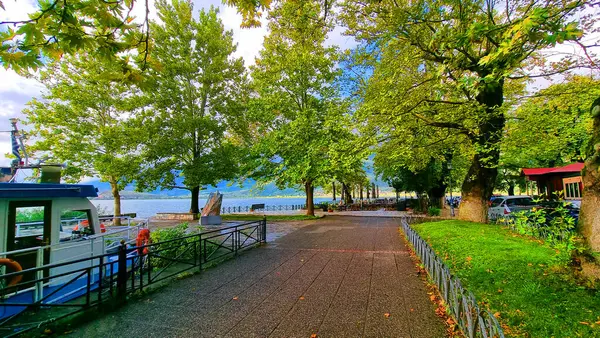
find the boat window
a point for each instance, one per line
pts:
(28, 228)
(75, 224)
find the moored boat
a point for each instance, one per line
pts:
(50, 231)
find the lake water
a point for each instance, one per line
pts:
(148, 208)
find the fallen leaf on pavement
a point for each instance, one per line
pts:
(235, 298)
(301, 297)
(387, 315)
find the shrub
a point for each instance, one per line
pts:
(555, 226)
(433, 211)
(181, 250)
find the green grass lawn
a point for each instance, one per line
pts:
(272, 218)
(528, 283)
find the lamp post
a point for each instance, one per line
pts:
(451, 200)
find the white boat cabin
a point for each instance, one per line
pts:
(48, 223)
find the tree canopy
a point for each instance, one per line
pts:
(98, 27)
(446, 65)
(553, 126)
(83, 120)
(297, 104)
(194, 91)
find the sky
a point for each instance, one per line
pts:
(16, 90)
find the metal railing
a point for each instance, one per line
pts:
(247, 208)
(53, 291)
(462, 305)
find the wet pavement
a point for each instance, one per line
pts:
(334, 277)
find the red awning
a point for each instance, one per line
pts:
(571, 168)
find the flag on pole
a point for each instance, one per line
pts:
(15, 146)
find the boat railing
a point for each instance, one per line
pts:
(81, 248)
(109, 278)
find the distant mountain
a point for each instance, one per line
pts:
(247, 189)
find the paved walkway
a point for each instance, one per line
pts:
(337, 277)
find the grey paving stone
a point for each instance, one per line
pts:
(349, 271)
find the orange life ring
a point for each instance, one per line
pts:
(143, 238)
(14, 265)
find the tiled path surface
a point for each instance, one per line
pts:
(335, 278)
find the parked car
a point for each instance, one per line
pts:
(502, 206)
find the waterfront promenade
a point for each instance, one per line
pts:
(335, 277)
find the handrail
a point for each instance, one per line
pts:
(55, 265)
(132, 269)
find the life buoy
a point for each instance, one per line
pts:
(143, 238)
(16, 267)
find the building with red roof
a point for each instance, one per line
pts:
(552, 180)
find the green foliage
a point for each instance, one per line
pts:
(556, 227)
(82, 120)
(181, 250)
(433, 211)
(195, 94)
(58, 28)
(442, 71)
(553, 127)
(303, 133)
(525, 282)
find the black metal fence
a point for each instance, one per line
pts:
(247, 208)
(462, 305)
(51, 292)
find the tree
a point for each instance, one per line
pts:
(431, 180)
(83, 120)
(450, 61)
(590, 213)
(58, 27)
(300, 117)
(195, 91)
(552, 127)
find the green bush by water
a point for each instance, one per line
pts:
(180, 250)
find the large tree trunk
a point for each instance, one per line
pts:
(114, 187)
(310, 205)
(361, 192)
(511, 188)
(347, 195)
(478, 186)
(195, 208)
(333, 186)
(589, 221)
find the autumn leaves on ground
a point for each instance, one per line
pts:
(530, 286)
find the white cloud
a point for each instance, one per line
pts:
(17, 10)
(249, 40)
